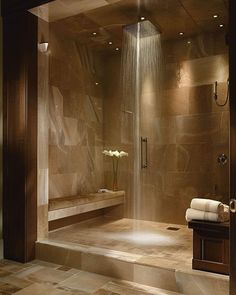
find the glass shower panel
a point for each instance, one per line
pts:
(187, 132)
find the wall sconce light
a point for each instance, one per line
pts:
(43, 47)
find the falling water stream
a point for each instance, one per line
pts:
(141, 66)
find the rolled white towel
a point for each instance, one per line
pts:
(207, 205)
(193, 214)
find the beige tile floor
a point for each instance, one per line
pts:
(42, 278)
(151, 243)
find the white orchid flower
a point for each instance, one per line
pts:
(111, 154)
(123, 154)
(116, 153)
(108, 153)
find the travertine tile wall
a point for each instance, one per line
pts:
(76, 118)
(186, 131)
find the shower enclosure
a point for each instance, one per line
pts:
(136, 82)
(138, 77)
(146, 77)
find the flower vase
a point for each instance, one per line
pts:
(115, 155)
(115, 182)
(115, 174)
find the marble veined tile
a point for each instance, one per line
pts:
(62, 185)
(198, 284)
(15, 281)
(128, 288)
(39, 289)
(48, 276)
(85, 281)
(6, 288)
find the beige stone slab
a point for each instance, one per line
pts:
(161, 262)
(61, 213)
(45, 263)
(71, 201)
(156, 277)
(6, 288)
(128, 288)
(40, 289)
(107, 266)
(205, 70)
(15, 281)
(61, 246)
(24, 273)
(61, 185)
(58, 254)
(196, 283)
(85, 281)
(14, 267)
(48, 276)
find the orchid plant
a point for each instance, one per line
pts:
(115, 155)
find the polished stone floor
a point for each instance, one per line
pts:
(150, 243)
(42, 278)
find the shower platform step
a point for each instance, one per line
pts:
(153, 272)
(73, 205)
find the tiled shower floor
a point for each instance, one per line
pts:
(146, 242)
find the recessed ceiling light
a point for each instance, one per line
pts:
(221, 25)
(110, 42)
(142, 17)
(117, 48)
(215, 15)
(189, 42)
(181, 33)
(96, 83)
(94, 33)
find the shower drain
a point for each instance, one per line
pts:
(172, 228)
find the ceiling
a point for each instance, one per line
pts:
(80, 19)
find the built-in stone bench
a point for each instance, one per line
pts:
(74, 205)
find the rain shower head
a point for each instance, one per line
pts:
(142, 29)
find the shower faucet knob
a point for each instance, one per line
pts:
(232, 205)
(222, 159)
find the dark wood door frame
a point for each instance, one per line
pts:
(20, 38)
(20, 136)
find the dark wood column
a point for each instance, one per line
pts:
(20, 136)
(232, 75)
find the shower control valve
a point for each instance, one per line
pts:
(222, 159)
(232, 205)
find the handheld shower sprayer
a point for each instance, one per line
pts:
(216, 94)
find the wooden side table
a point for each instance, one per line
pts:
(210, 246)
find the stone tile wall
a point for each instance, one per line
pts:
(186, 131)
(75, 118)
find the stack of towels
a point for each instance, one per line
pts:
(208, 210)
